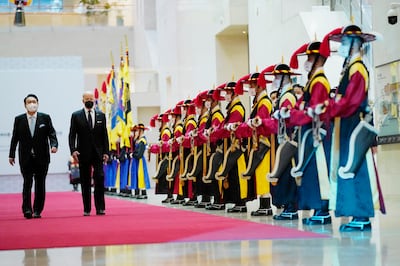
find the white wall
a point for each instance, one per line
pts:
(58, 83)
(186, 50)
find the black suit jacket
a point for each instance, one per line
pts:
(44, 136)
(86, 140)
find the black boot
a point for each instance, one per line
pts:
(168, 199)
(205, 200)
(265, 208)
(239, 207)
(143, 195)
(288, 213)
(321, 216)
(357, 224)
(135, 193)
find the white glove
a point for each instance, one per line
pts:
(310, 112)
(206, 133)
(285, 112)
(170, 142)
(319, 108)
(193, 133)
(179, 140)
(250, 122)
(276, 114)
(234, 126)
(256, 122)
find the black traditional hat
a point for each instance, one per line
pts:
(353, 31)
(282, 69)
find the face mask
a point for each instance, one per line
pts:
(89, 104)
(276, 82)
(307, 66)
(183, 111)
(252, 91)
(344, 50)
(207, 104)
(32, 107)
(198, 111)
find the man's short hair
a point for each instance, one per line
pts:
(31, 95)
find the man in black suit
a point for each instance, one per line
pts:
(33, 132)
(88, 143)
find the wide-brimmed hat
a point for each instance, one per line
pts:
(282, 69)
(352, 31)
(259, 78)
(313, 47)
(215, 94)
(141, 126)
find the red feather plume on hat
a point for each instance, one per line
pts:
(325, 49)
(164, 117)
(239, 84)
(294, 62)
(262, 82)
(153, 120)
(221, 86)
(200, 98)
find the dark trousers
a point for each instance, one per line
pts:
(34, 171)
(87, 170)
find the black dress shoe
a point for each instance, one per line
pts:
(86, 213)
(100, 212)
(28, 215)
(36, 215)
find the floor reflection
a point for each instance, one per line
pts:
(375, 248)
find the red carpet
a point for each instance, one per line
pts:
(63, 225)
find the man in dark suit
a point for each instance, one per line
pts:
(33, 132)
(88, 143)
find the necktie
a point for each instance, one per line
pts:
(32, 125)
(90, 121)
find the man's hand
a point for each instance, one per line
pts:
(53, 149)
(75, 155)
(11, 161)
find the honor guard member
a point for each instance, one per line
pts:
(284, 190)
(140, 180)
(186, 152)
(176, 124)
(314, 146)
(259, 162)
(234, 188)
(199, 150)
(354, 180)
(215, 154)
(163, 161)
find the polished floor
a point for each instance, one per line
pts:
(381, 246)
